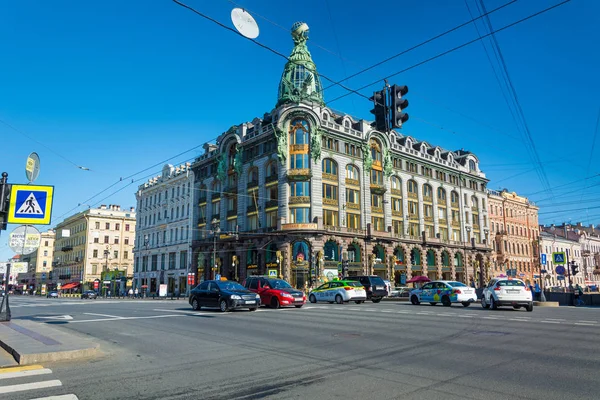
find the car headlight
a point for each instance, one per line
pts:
(257, 297)
(287, 295)
(235, 297)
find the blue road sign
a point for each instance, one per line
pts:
(30, 204)
(558, 258)
(560, 270)
(560, 277)
(217, 277)
(543, 259)
(543, 271)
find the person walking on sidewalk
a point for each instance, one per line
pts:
(130, 293)
(578, 293)
(136, 293)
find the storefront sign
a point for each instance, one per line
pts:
(331, 264)
(272, 265)
(252, 266)
(379, 266)
(298, 226)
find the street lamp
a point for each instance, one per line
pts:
(215, 230)
(468, 229)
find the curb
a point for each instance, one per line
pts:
(546, 304)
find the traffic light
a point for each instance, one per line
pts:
(345, 268)
(574, 269)
(380, 111)
(398, 104)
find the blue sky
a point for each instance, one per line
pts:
(118, 86)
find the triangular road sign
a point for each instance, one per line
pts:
(30, 206)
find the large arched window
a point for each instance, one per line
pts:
(454, 198)
(474, 203)
(472, 165)
(352, 172)
(253, 176)
(376, 151)
(330, 167)
(427, 192)
(300, 252)
(413, 188)
(354, 253)
(396, 184)
(299, 132)
(331, 251)
(271, 254)
(415, 257)
(441, 195)
(271, 169)
(430, 258)
(399, 253)
(379, 253)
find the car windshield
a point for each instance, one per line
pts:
(279, 284)
(456, 284)
(377, 281)
(353, 284)
(228, 285)
(510, 283)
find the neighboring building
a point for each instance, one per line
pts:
(589, 241)
(515, 228)
(95, 245)
(306, 187)
(559, 239)
(164, 236)
(40, 262)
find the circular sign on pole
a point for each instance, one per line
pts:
(32, 167)
(25, 239)
(244, 23)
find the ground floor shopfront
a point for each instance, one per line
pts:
(306, 259)
(150, 281)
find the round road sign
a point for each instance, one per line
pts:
(25, 239)
(32, 167)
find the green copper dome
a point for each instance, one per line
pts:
(300, 80)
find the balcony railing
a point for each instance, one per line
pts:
(412, 195)
(397, 192)
(377, 210)
(299, 148)
(252, 184)
(231, 213)
(251, 208)
(377, 189)
(353, 182)
(330, 177)
(352, 206)
(300, 174)
(271, 178)
(272, 204)
(67, 248)
(202, 200)
(215, 197)
(396, 213)
(202, 221)
(299, 199)
(330, 202)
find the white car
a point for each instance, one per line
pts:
(339, 291)
(507, 292)
(445, 292)
(400, 291)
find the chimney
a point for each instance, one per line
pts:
(592, 227)
(103, 206)
(579, 224)
(132, 209)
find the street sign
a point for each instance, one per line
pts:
(560, 277)
(30, 204)
(543, 259)
(32, 167)
(24, 240)
(543, 271)
(217, 277)
(559, 258)
(560, 270)
(273, 273)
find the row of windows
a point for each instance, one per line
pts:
(117, 226)
(175, 192)
(115, 240)
(176, 213)
(167, 261)
(115, 254)
(514, 230)
(154, 239)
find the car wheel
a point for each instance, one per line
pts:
(529, 307)
(433, 304)
(446, 301)
(484, 304)
(223, 305)
(195, 304)
(299, 305)
(414, 300)
(376, 300)
(312, 298)
(493, 304)
(274, 303)
(338, 299)
(466, 303)
(252, 309)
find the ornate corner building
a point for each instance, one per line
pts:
(305, 188)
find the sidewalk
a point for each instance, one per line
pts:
(33, 342)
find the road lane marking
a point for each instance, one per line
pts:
(588, 322)
(491, 317)
(61, 397)
(584, 324)
(550, 322)
(30, 386)
(103, 315)
(555, 319)
(23, 368)
(29, 372)
(124, 318)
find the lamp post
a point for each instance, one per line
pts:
(468, 238)
(278, 257)
(215, 230)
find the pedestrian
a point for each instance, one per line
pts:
(578, 294)
(130, 293)
(538, 291)
(136, 293)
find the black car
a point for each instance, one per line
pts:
(89, 294)
(226, 295)
(374, 286)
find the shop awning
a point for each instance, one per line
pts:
(71, 285)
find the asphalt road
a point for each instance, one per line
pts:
(164, 350)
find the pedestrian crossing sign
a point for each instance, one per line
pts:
(30, 204)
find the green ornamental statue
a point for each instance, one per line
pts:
(367, 159)
(221, 168)
(315, 144)
(282, 145)
(238, 160)
(387, 163)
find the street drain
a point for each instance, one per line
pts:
(347, 335)
(490, 333)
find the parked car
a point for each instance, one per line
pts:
(89, 294)
(275, 293)
(339, 291)
(374, 286)
(507, 292)
(445, 292)
(226, 295)
(400, 291)
(52, 293)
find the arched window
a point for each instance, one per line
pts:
(299, 132)
(272, 169)
(445, 259)
(376, 151)
(472, 166)
(441, 194)
(231, 155)
(412, 187)
(325, 117)
(396, 183)
(300, 252)
(474, 202)
(454, 197)
(352, 172)
(399, 253)
(346, 124)
(354, 253)
(379, 253)
(329, 166)
(427, 192)
(430, 258)
(253, 175)
(331, 251)
(458, 260)
(415, 257)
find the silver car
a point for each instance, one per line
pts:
(507, 292)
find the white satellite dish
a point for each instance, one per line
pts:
(244, 23)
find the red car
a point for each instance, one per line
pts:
(275, 293)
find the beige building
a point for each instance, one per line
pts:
(40, 261)
(514, 227)
(95, 244)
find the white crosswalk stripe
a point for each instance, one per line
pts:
(33, 378)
